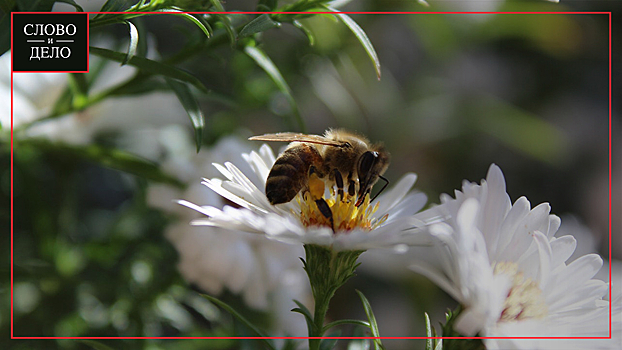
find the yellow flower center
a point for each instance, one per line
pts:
(525, 299)
(345, 215)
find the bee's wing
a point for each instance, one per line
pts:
(297, 137)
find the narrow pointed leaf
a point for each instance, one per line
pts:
(428, 333)
(239, 317)
(361, 36)
(372, 321)
(225, 21)
(346, 321)
(142, 48)
(150, 66)
(131, 48)
(191, 106)
(259, 24)
(304, 310)
(306, 31)
(270, 68)
(301, 309)
(198, 21)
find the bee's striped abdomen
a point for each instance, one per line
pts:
(289, 173)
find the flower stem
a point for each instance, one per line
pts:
(327, 270)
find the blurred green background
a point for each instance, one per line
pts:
(457, 92)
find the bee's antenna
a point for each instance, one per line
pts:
(386, 183)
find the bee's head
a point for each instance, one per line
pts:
(371, 165)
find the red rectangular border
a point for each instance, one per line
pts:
(345, 12)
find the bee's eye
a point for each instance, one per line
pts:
(367, 162)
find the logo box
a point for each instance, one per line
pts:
(50, 42)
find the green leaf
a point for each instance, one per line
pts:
(240, 318)
(112, 6)
(191, 106)
(329, 344)
(138, 85)
(198, 21)
(301, 309)
(259, 24)
(5, 32)
(428, 333)
(131, 47)
(270, 68)
(372, 321)
(72, 3)
(361, 36)
(225, 21)
(105, 156)
(150, 66)
(305, 30)
(95, 345)
(78, 86)
(266, 5)
(346, 321)
(143, 46)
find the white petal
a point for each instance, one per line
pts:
(438, 278)
(495, 206)
(260, 199)
(573, 276)
(545, 254)
(267, 155)
(585, 296)
(470, 322)
(514, 217)
(226, 173)
(554, 223)
(233, 193)
(387, 201)
(562, 248)
(410, 205)
(259, 167)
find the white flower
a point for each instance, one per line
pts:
(503, 264)
(388, 223)
(265, 273)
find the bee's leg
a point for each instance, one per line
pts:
(316, 189)
(386, 183)
(339, 182)
(351, 185)
(325, 210)
(316, 185)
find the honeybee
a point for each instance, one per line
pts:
(339, 157)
